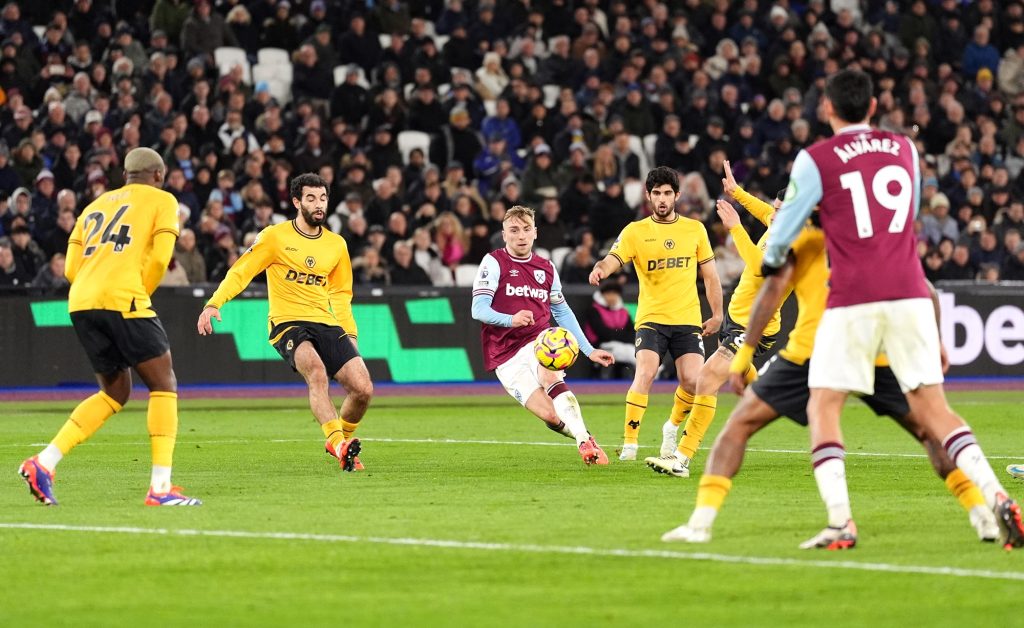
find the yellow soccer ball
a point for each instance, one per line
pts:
(556, 348)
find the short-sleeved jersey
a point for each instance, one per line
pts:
(866, 184)
(665, 256)
(515, 284)
(309, 278)
(116, 233)
(810, 283)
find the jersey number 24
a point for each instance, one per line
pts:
(115, 233)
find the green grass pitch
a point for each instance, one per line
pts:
(501, 526)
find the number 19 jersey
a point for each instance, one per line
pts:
(870, 192)
(116, 233)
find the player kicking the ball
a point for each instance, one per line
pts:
(515, 294)
(309, 281)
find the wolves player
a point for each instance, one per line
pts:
(782, 390)
(309, 281)
(117, 254)
(514, 295)
(676, 460)
(866, 184)
(666, 250)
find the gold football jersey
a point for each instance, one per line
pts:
(116, 233)
(309, 278)
(742, 300)
(666, 256)
(810, 283)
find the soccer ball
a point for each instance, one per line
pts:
(556, 348)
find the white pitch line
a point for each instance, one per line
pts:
(455, 441)
(528, 548)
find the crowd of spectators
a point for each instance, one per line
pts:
(557, 104)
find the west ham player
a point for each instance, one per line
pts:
(117, 254)
(309, 283)
(666, 250)
(866, 184)
(676, 460)
(514, 295)
(782, 390)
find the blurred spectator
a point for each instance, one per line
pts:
(28, 256)
(608, 325)
(404, 271)
(551, 230)
(428, 258)
(938, 224)
(369, 268)
(450, 239)
(10, 274)
(577, 265)
(205, 30)
(959, 267)
(50, 278)
(188, 258)
(1012, 270)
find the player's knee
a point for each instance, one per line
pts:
(316, 377)
(362, 391)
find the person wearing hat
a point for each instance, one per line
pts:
(938, 223)
(124, 240)
(539, 179)
(456, 141)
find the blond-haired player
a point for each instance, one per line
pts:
(117, 254)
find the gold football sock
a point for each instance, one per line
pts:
(964, 490)
(712, 490)
(681, 404)
(347, 429)
(697, 425)
(162, 421)
(636, 405)
(86, 418)
(335, 432)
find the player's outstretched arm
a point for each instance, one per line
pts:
(205, 324)
(254, 261)
(802, 196)
(731, 220)
(768, 301)
(713, 293)
(605, 268)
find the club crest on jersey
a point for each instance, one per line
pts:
(290, 345)
(539, 275)
(310, 262)
(670, 244)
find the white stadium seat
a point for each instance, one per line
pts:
(465, 274)
(558, 256)
(637, 146)
(633, 193)
(408, 140)
(551, 93)
(649, 142)
(273, 56)
(229, 55)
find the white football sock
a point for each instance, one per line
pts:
(702, 517)
(160, 480)
(831, 478)
(49, 457)
(568, 409)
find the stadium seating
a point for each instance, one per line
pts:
(637, 146)
(649, 142)
(633, 193)
(465, 274)
(551, 93)
(558, 256)
(408, 140)
(340, 72)
(273, 56)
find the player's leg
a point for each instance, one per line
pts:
(310, 366)
(651, 344)
(354, 377)
(162, 423)
(687, 350)
(115, 383)
(570, 414)
(750, 415)
(889, 400)
(712, 375)
(912, 346)
(682, 343)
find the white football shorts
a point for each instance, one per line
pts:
(521, 374)
(850, 338)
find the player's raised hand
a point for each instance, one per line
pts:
(522, 318)
(596, 275)
(727, 213)
(711, 326)
(205, 326)
(602, 357)
(729, 184)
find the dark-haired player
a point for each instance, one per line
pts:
(866, 184)
(666, 250)
(676, 460)
(309, 286)
(515, 294)
(117, 254)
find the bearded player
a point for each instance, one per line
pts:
(515, 294)
(309, 286)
